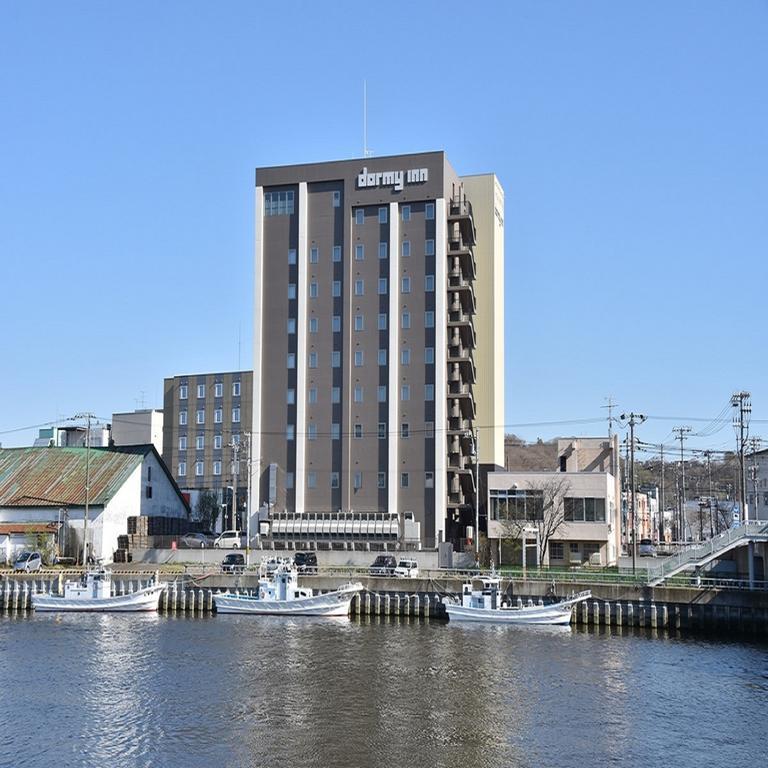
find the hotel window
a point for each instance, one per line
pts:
(291, 256)
(313, 359)
(335, 359)
(235, 389)
(336, 324)
(335, 394)
(313, 325)
(337, 253)
(383, 321)
(358, 482)
(236, 438)
(199, 442)
(429, 479)
(358, 393)
(336, 198)
(290, 432)
(199, 469)
(278, 203)
(405, 356)
(429, 283)
(182, 391)
(182, 418)
(289, 480)
(311, 431)
(406, 249)
(429, 248)
(429, 355)
(382, 357)
(358, 431)
(291, 290)
(359, 287)
(218, 389)
(429, 319)
(359, 252)
(359, 356)
(335, 431)
(291, 360)
(236, 415)
(183, 443)
(406, 285)
(216, 467)
(334, 479)
(406, 212)
(217, 442)
(382, 394)
(382, 250)
(429, 392)
(359, 323)
(429, 429)
(359, 216)
(406, 320)
(381, 480)
(429, 211)
(200, 417)
(311, 479)
(218, 416)
(290, 396)
(182, 469)
(404, 479)
(313, 290)
(382, 286)
(291, 325)
(312, 395)
(314, 255)
(201, 390)
(382, 215)
(336, 289)
(382, 430)
(405, 392)
(405, 430)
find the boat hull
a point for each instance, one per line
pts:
(144, 600)
(535, 615)
(335, 603)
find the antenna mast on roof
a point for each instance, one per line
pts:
(366, 151)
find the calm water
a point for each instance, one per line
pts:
(265, 691)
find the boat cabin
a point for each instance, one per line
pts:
(488, 596)
(282, 584)
(95, 584)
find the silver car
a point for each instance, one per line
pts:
(28, 562)
(197, 540)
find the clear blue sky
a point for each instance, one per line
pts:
(631, 140)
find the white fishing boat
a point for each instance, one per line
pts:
(93, 593)
(490, 604)
(279, 594)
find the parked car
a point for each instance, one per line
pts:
(230, 540)
(407, 569)
(233, 563)
(646, 548)
(383, 565)
(198, 540)
(28, 562)
(305, 562)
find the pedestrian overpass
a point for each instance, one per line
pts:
(707, 551)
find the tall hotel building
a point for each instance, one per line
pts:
(378, 345)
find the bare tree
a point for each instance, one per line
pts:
(541, 506)
(207, 509)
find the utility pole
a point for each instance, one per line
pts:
(663, 506)
(681, 433)
(87, 417)
(235, 467)
(632, 419)
(741, 402)
(708, 455)
(248, 503)
(754, 444)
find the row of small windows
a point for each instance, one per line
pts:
(383, 287)
(199, 468)
(218, 416)
(357, 480)
(358, 393)
(279, 203)
(200, 442)
(283, 203)
(383, 251)
(405, 213)
(218, 390)
(312, 360)
(358, 433)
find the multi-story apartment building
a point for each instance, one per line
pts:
(378, 344)
(205, 415)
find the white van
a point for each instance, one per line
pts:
(230, 540)
(407, 569)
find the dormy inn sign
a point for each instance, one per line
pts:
(394, 179)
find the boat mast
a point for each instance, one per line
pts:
(88, 417)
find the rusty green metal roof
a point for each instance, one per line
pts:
(39, 477)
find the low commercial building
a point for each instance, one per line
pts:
(141, 427)
(43, 488)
